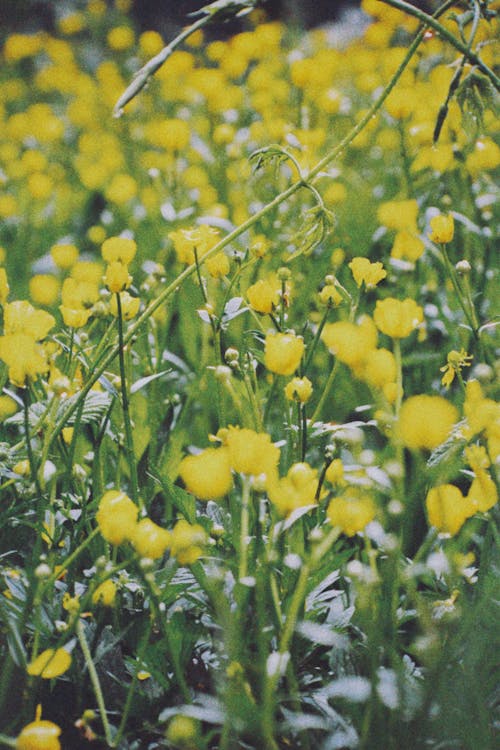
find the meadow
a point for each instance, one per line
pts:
(249, 418)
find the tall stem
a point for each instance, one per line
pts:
(94, 678)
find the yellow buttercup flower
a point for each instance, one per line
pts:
(129, 305)
(50, 663)
(39, 735)
(105, 594)
(64, 255)
(283, 352)
(44, 289)
(335, 472)
(367, 273)
(150, 540)
(399, 215)
(264, 295)
(299, 389)
(4, 286)
(117, 277)
(352, 511)
(379, 368)
(456, 360)
(119, 249)
(117, 517)
(295, 490)
(447, 508)
(426, 421)
(482, 493)
(397, 318)
(187, 542)
(74, 318)
(407, 245)
(252, 452)
(207, 474)
(24, 357)
(330, 295)
(350, 342)
(21, 317)
(218, 266)
(202, 238)
(442, 228)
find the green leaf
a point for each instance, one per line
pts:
(183, 500)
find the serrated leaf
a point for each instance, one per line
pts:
(95, 406)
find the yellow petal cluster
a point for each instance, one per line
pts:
(426, 421)
(207, 474)
(295, 490)
(50, 663)
(397, 318)
(117, 517)
(351, 512)
(283, 352)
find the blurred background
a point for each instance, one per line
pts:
(168, 16)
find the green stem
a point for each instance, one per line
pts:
(317, 335)
(7, 741)
(326, 392)
(71, 558)
(129, 440)
(94, 678)
(462, 299)
(244, 529)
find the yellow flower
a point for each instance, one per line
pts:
(117, 277)
(283, 352)
(264, 295)
(150, 540)
(117, 517)
(64, 256)
(399, 215)
(187, 542)
(407, 245)
(252, 452)
(379, 368)
(425, 421)
(455, 362)
(203, 238)
(8, 407)
(121, 38)
(50, 663)
(21, 317)
(482, 493)
(119, 249)
(351, 512)
(299, 389)
(330, 295)
(207, 474)
(39, 735)
(447, 508)
(367, 273)
(74, 318)
(295, 490)
(183, 732)
(442, 228)
(105, 593)
(397, 318)
(23, 356)
(335, 472)
(4, 286)
(218, 266)
(350, 342)
(130, 305)
(44, 289)
(79, 293)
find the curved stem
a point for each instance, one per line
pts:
(94, 678)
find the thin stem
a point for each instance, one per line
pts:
(326, 392)
(71, 558)
(244, 529)
(129, 440)
(94, 678)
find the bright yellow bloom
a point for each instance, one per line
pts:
(218, 266)
(447, 508)
(379, 368)
(352, 511)
(8, 407)
(202, 238)
(50, 663)
(74, 318)
(335, 472)
(4, 286)
(150, 540)
(44, 289)
(407, 245)
(426, 421)
(119, 249)
(117, 517)
(283, 352)
(129, 305)
(295, 490)
(252, 452)
(117, 277)
(330, 295)
(350, 342)
(264, 295)
(207, 474)
(397, 318)
(79, 293)
(121, 38)
(64, 256)
(21, 317)
(367, 273)
(187, 542)
(482, 493)
(399, 215)
(455, 362)
(39, 735)
(442, 228)
(105, 594)
(23, 356)
(299, 389)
